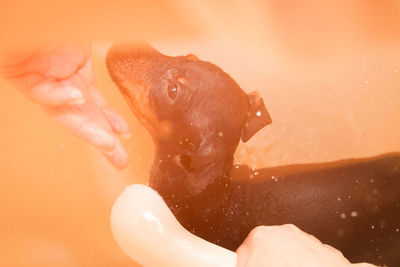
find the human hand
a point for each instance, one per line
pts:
(61, 80)
(147, 231)
(287, 245)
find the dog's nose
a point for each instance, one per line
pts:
(121, 49)
(122, 57)
(131, 50)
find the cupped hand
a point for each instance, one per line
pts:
(61, 80)
(287, 245)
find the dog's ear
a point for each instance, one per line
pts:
(257, 117)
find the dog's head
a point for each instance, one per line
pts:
(194, 111)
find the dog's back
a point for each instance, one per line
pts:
(353, 205)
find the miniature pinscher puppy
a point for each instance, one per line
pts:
(197, 114)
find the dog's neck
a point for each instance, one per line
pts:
(168, 179)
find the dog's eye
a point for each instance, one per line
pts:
(173, 90)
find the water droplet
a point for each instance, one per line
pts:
(339, 199)
(354, 214)
(348, 196)
(397, 230)
(258, 113)
(220, 134)
(372, 181)
(180, 142)
(256, 173)
(343, 215)
(237, 166)
(372, 226)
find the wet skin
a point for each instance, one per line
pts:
(197, 114)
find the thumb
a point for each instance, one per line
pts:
(147, 232)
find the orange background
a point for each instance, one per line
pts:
(329, 74)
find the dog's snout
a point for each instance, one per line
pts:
(128, 50)
(125, 58)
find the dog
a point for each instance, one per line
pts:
(197, 114)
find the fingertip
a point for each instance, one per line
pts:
(120, 162)
(118, 156)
